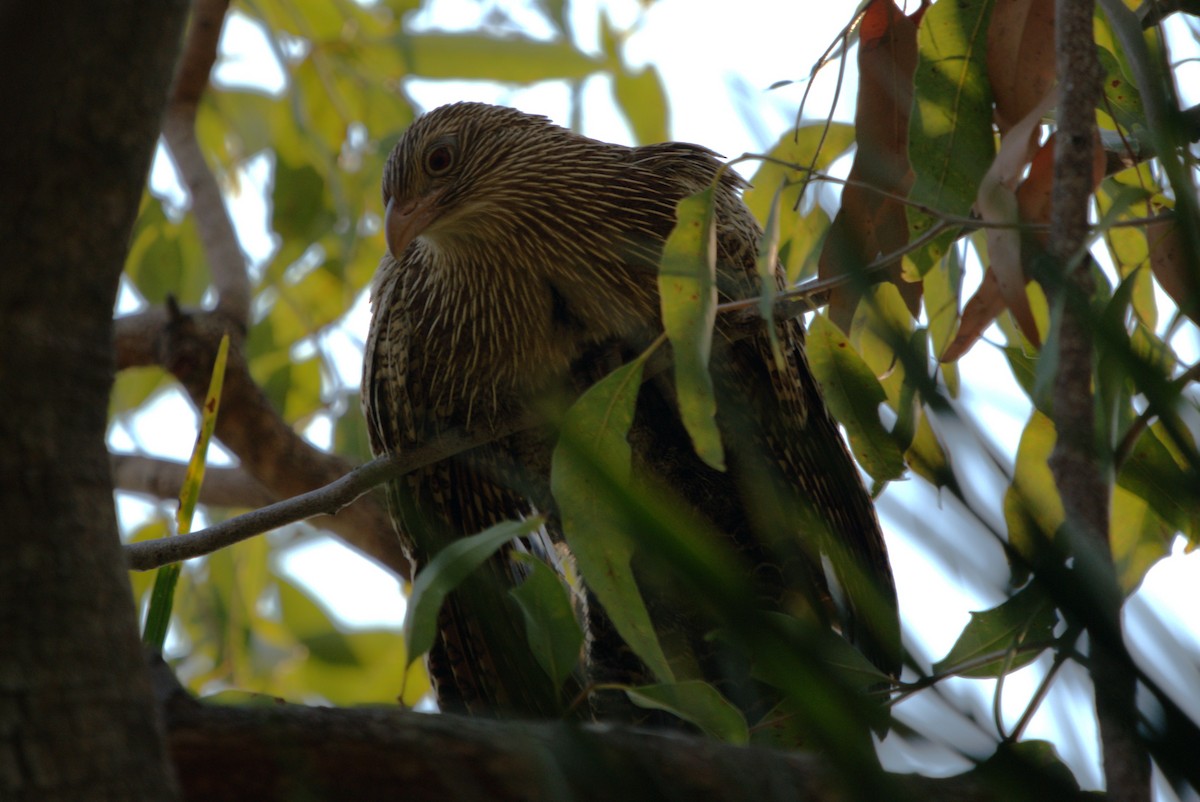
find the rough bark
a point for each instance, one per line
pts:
(83, 94)
(1081, 476)
(287, 752)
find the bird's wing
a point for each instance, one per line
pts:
(805, 451)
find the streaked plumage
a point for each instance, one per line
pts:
(523, 264)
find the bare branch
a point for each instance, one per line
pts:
(1075, 462)
(226, 261)
(223, 487)
(327, 500)
(282, 461)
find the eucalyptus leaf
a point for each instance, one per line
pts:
(445, 572)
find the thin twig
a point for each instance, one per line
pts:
(326, 500)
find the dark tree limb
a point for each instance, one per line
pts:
(287, 751)
(1079, 472)
(270, 450)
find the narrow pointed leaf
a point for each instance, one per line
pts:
(554, 635)
(158, 617)
(688, 288)
(446, 572)
(696, 702)
(854, 395)
(594, 523)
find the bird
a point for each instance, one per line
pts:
(521, 265)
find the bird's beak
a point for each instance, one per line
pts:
(403, 224)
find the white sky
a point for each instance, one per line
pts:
(717, 58)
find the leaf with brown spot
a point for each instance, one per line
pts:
(870, 223)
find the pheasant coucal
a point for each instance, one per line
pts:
(522, 263)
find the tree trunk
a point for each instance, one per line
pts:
(83, 92)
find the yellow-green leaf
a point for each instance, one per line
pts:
(688, 289)
(854, 395)
(595, 526)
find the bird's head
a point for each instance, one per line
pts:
(457, 171)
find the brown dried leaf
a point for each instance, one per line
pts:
(1020, 57)
(997, 203)
(869, 223)
(1171, 267)
(977, 315)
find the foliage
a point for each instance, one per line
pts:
(928, 154)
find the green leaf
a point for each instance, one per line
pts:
(1033, 509)
(594, 524)
(134, 387)
(1154, 474)
(1028, 617)
(767, 264)
(688, 288)
(1123, 101)
(854, 395)
(300, 210)
(643, 101)
(942, 287)
(165, 257)
(950, 137)
(554, 634)
(446, 572)
(800, 235)
(696, 702)
(797, 148)
(158, 618)
(514, 59)
(1140, 537)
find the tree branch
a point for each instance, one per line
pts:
(223, 487)
(326, 500)
(277, 751)
(226, 261)
(270, 450)
(1081, 478)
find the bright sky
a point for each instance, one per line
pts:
(718, 58)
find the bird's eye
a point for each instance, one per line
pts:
(439, 159)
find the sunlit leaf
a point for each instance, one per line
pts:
(1139, 537)
(688, 291)
(854, 395)
(643, 100)
(158, 617)
(470, 56)
(950, 134)
(134, 387)
(1033, 499)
